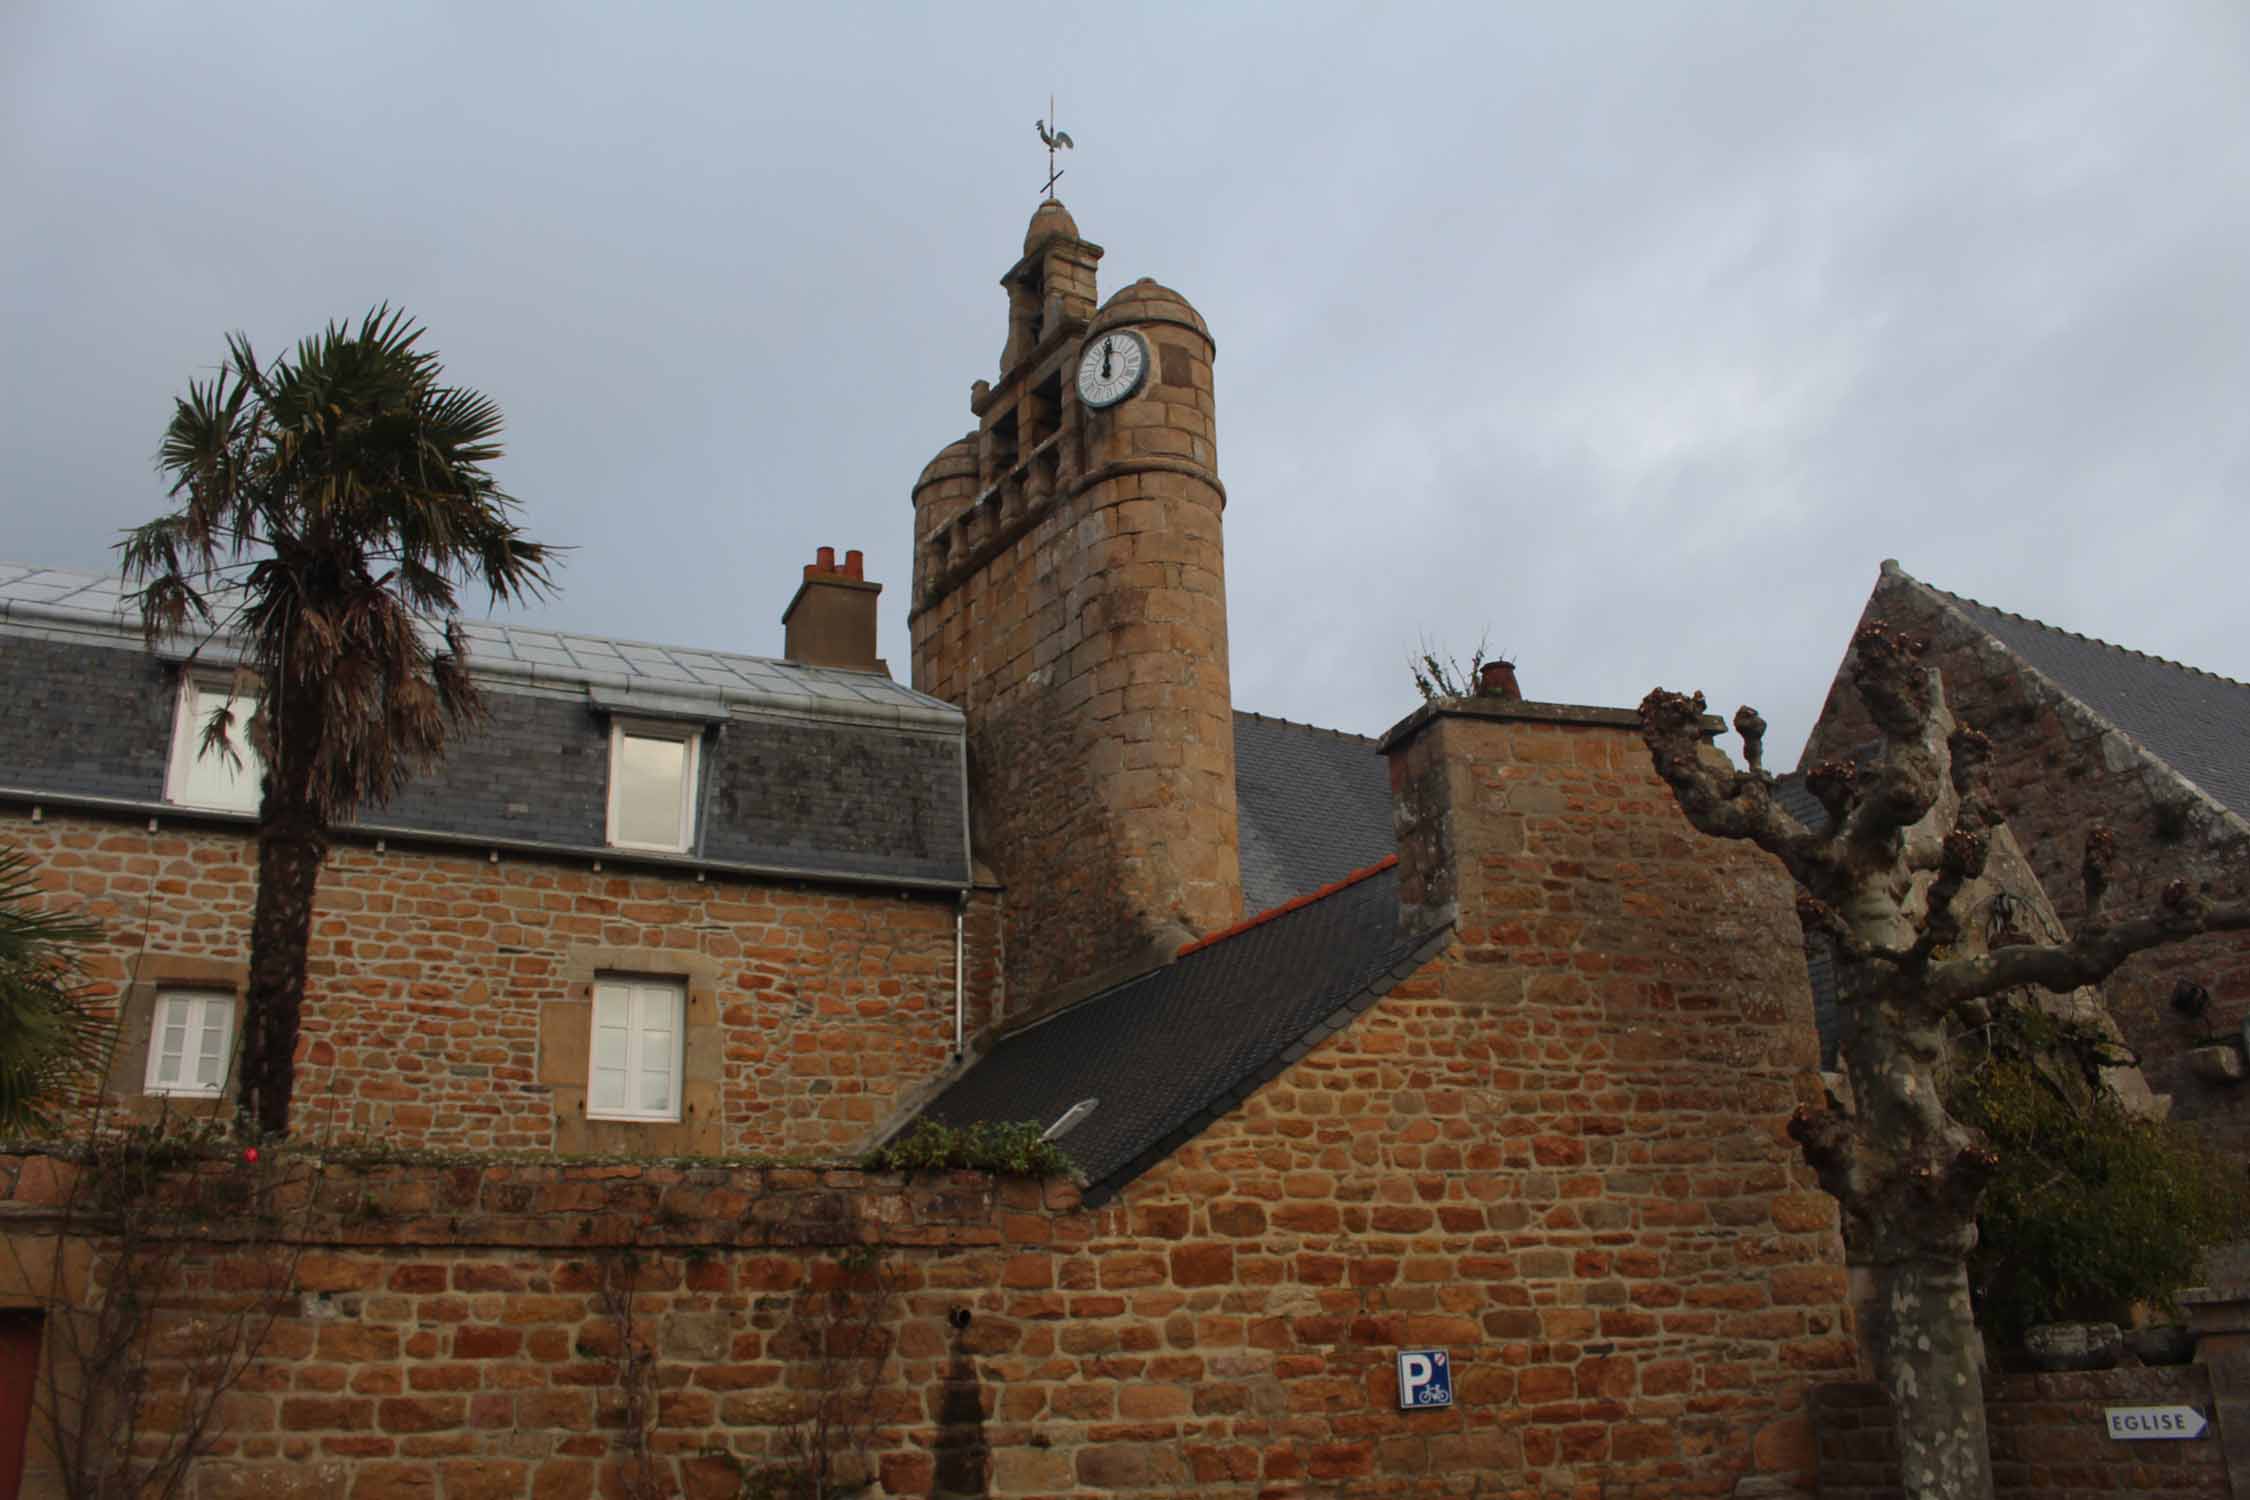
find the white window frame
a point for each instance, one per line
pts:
(204, 1007)
(689, 735)
(630, 991)
(189, 713)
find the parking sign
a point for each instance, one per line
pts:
(1425, 1378)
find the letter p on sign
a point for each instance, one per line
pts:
(1425, 1378)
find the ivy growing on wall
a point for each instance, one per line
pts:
(2093, 1207)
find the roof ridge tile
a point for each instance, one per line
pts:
(2091, 640)
(1341, 734)
(1295, 903)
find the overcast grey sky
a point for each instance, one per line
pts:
(1632, 336)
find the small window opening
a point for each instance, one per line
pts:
(634, 1061)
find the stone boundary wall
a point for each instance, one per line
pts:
(2048, 1438)
(451, 1333)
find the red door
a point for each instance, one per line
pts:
(19, 1372)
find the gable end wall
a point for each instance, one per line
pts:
(2059, 769)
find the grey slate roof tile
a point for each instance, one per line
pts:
(95, 605)
(1312, 805)
(2194, 721)
(1170, 1051)
(812, 771)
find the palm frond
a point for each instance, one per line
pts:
(51, 1036)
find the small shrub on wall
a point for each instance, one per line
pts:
(2093, 1208)
(987, 1146)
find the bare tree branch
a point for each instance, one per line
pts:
(2088, 959)
(1725, 804)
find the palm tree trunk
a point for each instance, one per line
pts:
(1925, 1346)
(292, 846)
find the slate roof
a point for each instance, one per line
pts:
(34, 599)
(802, 771)
(2194, 721)
(1171, 1051)
(1312, 805)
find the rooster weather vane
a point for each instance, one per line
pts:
(1056, 140)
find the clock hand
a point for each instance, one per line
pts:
(1105, 358)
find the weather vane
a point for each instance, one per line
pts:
(1057, 140)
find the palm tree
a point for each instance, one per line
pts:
(49, 1038)
(328, 506)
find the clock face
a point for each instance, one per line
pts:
(1112, 368)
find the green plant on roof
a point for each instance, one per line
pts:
(1439, 674)
(1017, 1149)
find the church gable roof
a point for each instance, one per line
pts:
(1171, 1051)
(2196, 722)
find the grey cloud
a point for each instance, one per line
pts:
(1634, 335)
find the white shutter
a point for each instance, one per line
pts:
(167, 1043)
(656, 1009)
(216, 1031)
(612, 1049)
(190, 1040)
(633, 1069)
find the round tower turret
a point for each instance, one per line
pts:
(947, 487)
(1173, 414)
(1071, 598)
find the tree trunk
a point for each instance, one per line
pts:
(292, 846)
(1925, 1347)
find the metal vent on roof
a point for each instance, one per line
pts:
(1071, 1119)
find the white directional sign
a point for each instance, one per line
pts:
(2135, 1423)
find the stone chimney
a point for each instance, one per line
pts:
(1542, 832)
(831, 621)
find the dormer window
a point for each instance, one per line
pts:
(652, 778)
(212, 778)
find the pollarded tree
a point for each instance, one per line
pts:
(1888, 883)
(329, 506)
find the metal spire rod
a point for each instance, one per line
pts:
(1056, 140)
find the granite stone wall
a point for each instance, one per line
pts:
(1555, 1153)
(448, 1002)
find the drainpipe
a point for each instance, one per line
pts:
(960, 989)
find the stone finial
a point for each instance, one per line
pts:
(1049, 219)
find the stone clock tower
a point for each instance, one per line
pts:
(1070, 595)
